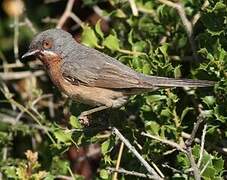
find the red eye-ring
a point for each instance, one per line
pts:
(47, 44)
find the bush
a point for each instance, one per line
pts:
(173, 133)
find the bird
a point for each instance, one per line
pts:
(91, 77)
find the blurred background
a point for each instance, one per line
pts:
(40, 135)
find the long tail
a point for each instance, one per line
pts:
(155, 81)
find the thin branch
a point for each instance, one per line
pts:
(204, 168)
(63, 177)
(187, 24)
(135, 152)
(194, 167)
(130, 173)
(30, 25)
(20, 75)
(76, 19)
(202, 146)
(194, 131)
(118, 161)
(68, 13)
(197, 16)
(168, 142)
(133, 7)
(8, 96)
(15, 40)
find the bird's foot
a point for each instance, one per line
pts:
(84, 120)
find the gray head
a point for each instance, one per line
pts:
(52, 41)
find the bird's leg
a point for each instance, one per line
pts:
(83, 116)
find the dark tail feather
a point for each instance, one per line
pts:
(171, 82)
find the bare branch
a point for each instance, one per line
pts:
(135, 152)
(133, 7)
(20, 75)
(197, 16)
(194, 167)
(68, 13)
(118, 161)
(168, 142)
(202, 146)
(131, 173)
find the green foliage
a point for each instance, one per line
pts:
(154, 42)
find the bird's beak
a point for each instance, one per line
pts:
(30, 53)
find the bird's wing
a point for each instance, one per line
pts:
(93, 68)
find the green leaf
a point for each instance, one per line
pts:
(218, 164)
(74, 122)
(63, 135)
(146, 69)
(104, 174)
(185, 111)
(152, 127)
(177, 72)
(10, 171)
(209, 100)
(130, 37)
(155, 98)
(209, 172)
(98, 29)
(49, 177)
(111, 42)
(88, 37)
(105, 146)
(164, 49)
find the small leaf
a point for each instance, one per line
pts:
(177, 72)
(105, 146)
(130, 37)
(218, 164)
(104, 174)
(88, 37)
(164, 49)
(155, 98)
(152, 127)
(146, 69)
(185, 111)
(209, 100)
(111, 42)
(74, 122)
(63, 136)
(98, 29)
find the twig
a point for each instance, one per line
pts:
(30, 25)
(99, 11)
(118, 161)
(198, 15)
(22, 108)
(202, 146)
(15, 40)
(194, 131)
(135, 152)
(63, 177)
(188, 136)
(131, 173)
(133, 7)
(157, 169)
(187, 24)
(204, 168)
(68, 13)
(172, 168)
(168, 142)
(20, 75)
(194, 167)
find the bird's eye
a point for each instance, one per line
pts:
(47, 44)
